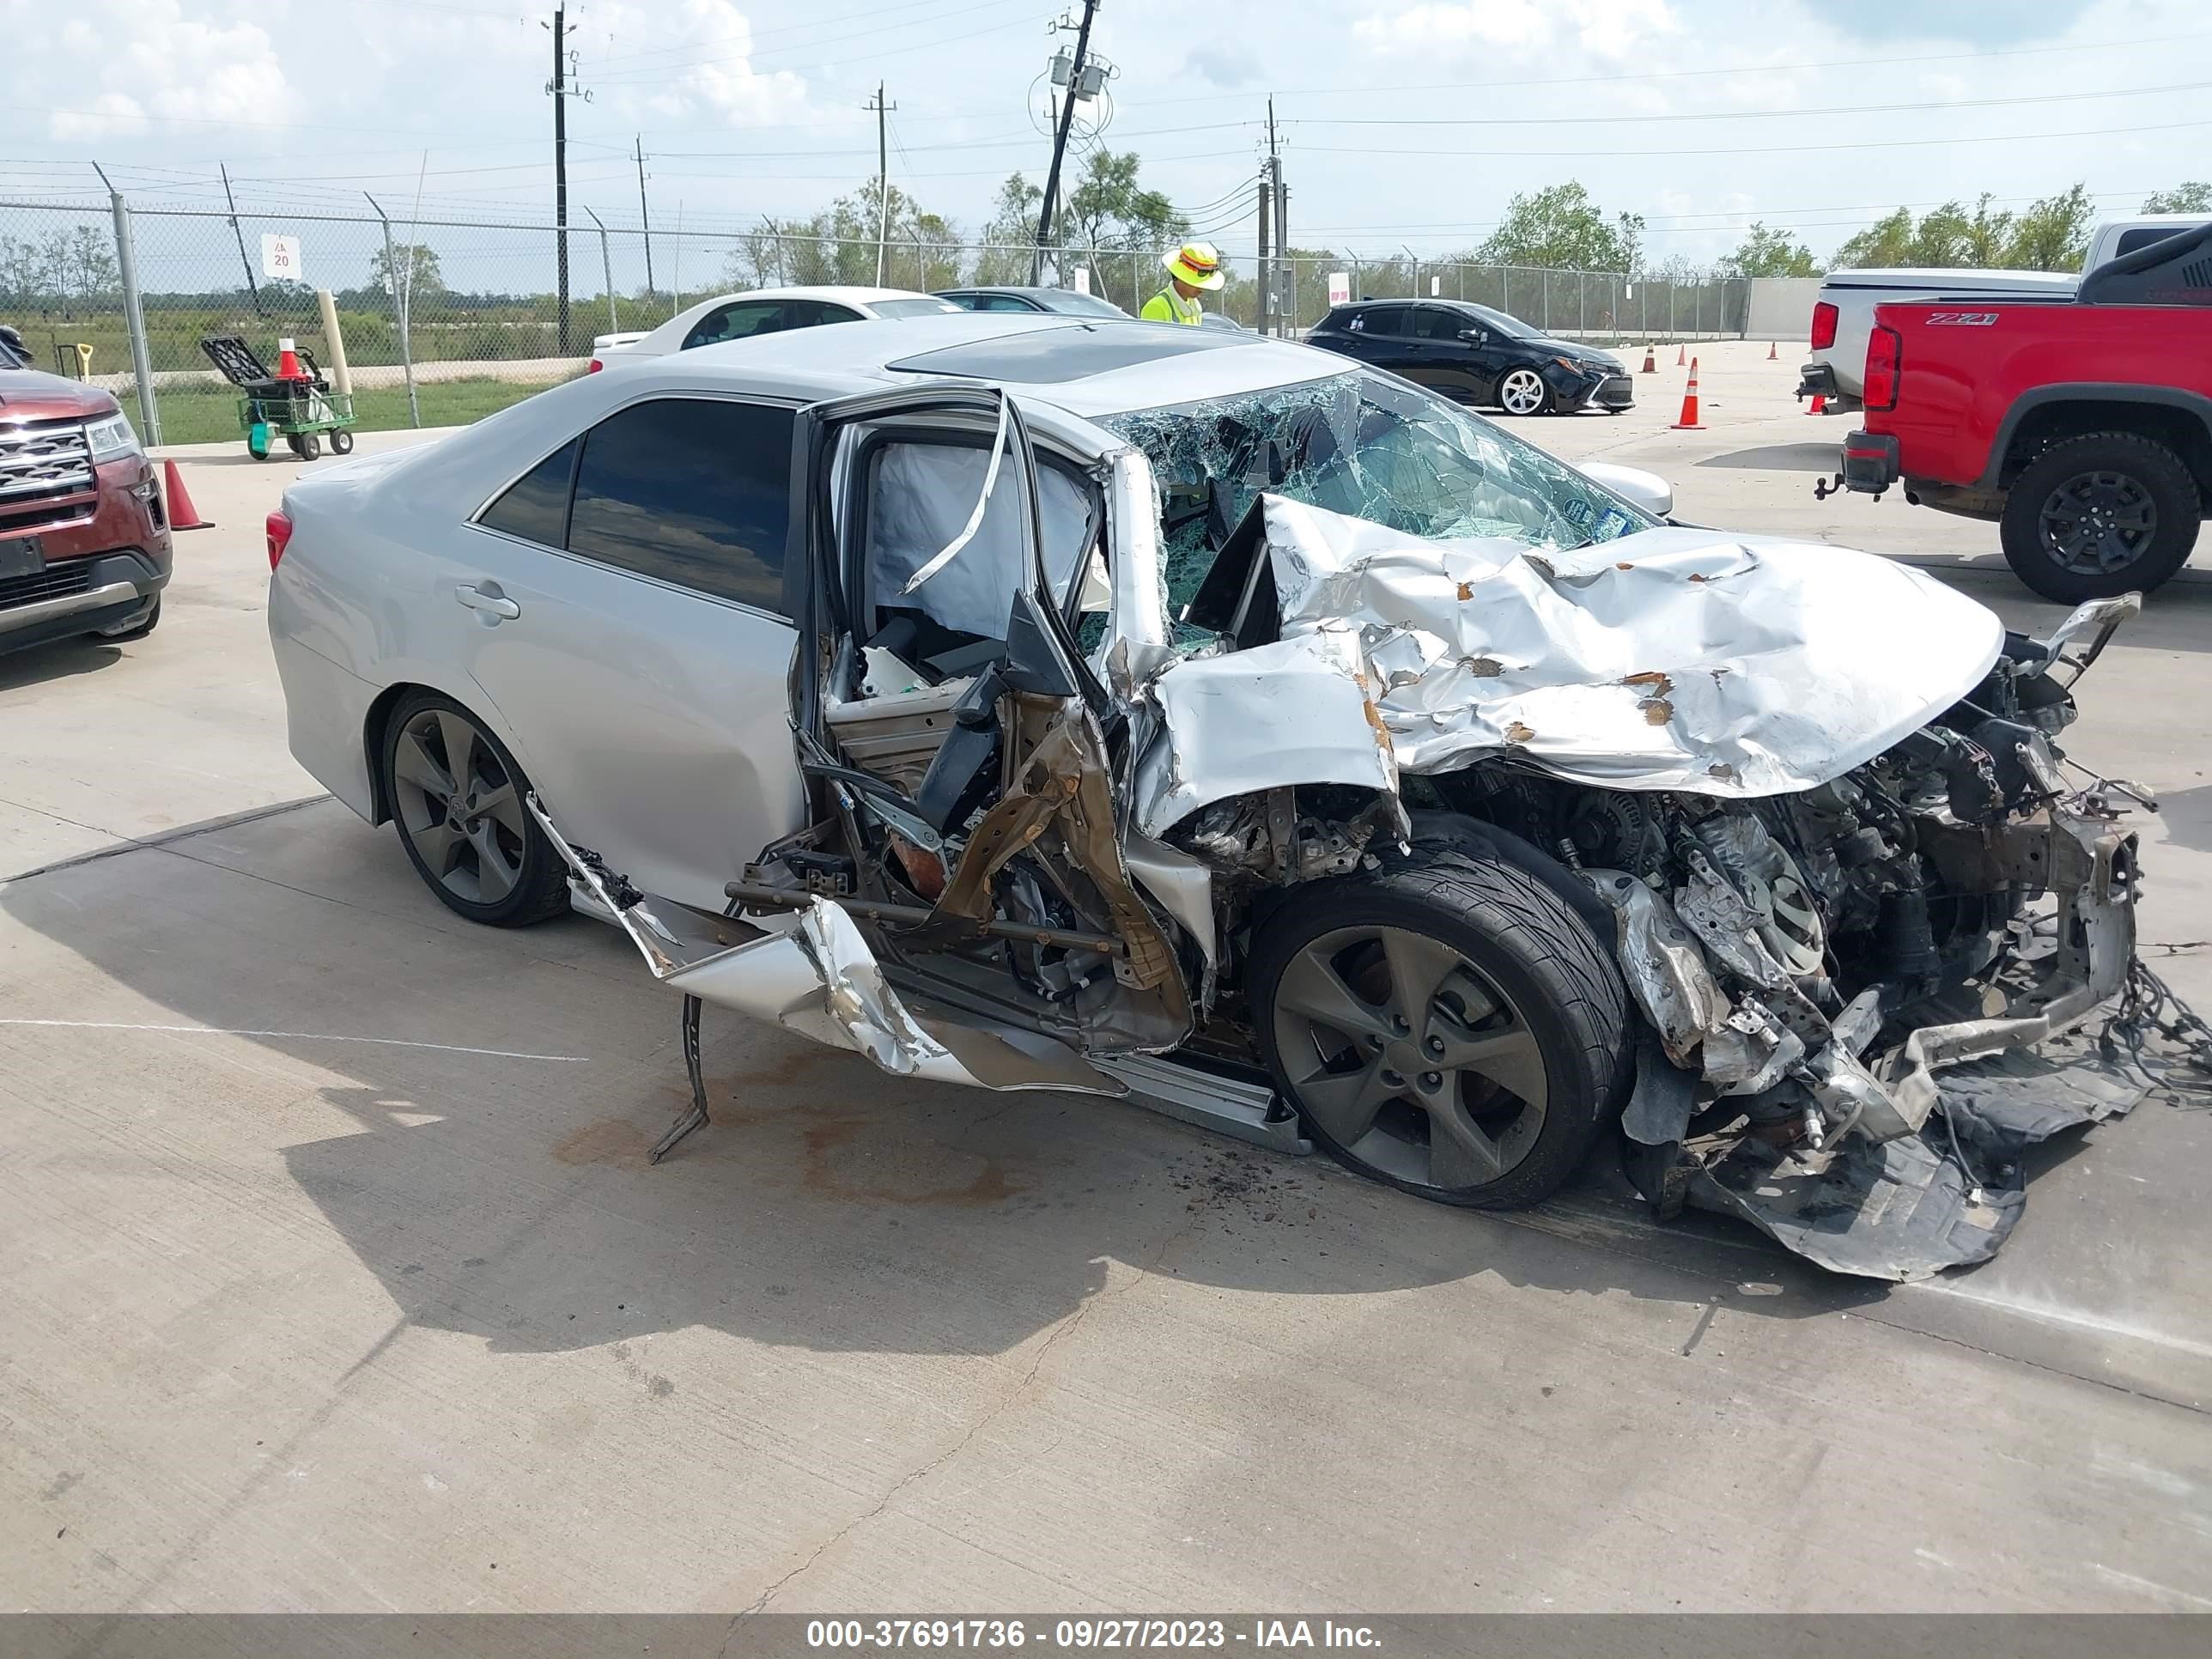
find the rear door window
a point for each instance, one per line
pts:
(694, 491)
(535, 507)
(1383, 319)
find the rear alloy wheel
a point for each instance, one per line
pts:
(456, 795)
(1522, 392)
(1448, 1027)
(2099, 515)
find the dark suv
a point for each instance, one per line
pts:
(84, 538)
(1473, 354)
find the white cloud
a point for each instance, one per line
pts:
(1608, 29)
(111, 63)
(715, 75)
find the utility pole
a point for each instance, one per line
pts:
(1267, 206)
(1268, 278)
(881, 112)
(1060, 141)
(558, 85)
(252, 288)
(643, 218)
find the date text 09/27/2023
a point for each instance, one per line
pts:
(1088, 1634)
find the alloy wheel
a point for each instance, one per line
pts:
(2097, 522)
(1520, 392)
(458, 806)
(1411, 1061)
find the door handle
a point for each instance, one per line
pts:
(489, 601)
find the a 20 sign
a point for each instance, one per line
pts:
(280, 258)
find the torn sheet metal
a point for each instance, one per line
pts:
(1299, 711)
(1675, 658)
(1665, 970)
(1946, 1197)
(818, 979)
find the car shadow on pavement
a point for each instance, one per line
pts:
(1780, 458)
(55, 661)
(499, 1092)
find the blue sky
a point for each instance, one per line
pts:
(1405, 122)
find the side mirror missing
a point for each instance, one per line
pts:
(1632, 484)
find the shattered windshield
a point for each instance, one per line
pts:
(1366, 445)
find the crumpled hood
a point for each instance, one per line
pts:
(1674, 659)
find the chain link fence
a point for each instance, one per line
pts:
(443, 320)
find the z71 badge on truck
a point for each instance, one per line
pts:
(2082, 426)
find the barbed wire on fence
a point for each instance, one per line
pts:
(441, 298)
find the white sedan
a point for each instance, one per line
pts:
(764, 311)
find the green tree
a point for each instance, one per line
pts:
(1887, 242)
(1011, 229)
(2196, 197)
(1769, 252)
(411, 263)
(1563, 229)
(2053, 233)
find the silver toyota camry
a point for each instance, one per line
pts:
(1121, 710)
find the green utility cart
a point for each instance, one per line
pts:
(299, 411)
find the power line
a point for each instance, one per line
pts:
(1764, 149)
(1733, 114)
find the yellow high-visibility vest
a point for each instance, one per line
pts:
(1170, 307)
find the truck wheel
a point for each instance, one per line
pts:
(1447, 1026)
(2100, 515)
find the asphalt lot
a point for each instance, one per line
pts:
(332, 1277)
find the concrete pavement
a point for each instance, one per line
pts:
(331, 1276)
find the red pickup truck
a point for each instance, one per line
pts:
(2082, 426)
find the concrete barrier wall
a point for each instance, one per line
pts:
(1780, 307)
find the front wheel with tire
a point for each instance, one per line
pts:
(341, 441)
(2100, 515)
(456, 796)
(1447, 1026)
(1522, 392)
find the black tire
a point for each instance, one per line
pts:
(530, 881)
(1551, 977)
(137, 630)
(1545, 404)
(311, 446)
(341, 442)
(2135, 478)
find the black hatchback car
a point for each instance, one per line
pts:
(1473, 354)
(1063, 301)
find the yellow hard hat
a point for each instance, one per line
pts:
(1197, 264)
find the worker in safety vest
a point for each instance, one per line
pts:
(1193, 269)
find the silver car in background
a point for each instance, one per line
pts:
(1117, 709)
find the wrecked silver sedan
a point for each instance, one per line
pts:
(1194, 719)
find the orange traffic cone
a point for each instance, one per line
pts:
(288, 363)
(1771, 355)
(1690, 423)
(1681, 355)
(1819, 404)
(182, 515)
(1650, 361)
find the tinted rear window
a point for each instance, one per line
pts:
(693, 491)
(535, 507)
(2141, 237)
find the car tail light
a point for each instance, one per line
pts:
(1824, 326)
(596, 366)
(1884, 357)
(279, 526)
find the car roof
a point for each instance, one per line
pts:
(856, 293)
(1089, 367)
(1024, 291)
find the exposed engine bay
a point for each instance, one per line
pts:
(1846, 906)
